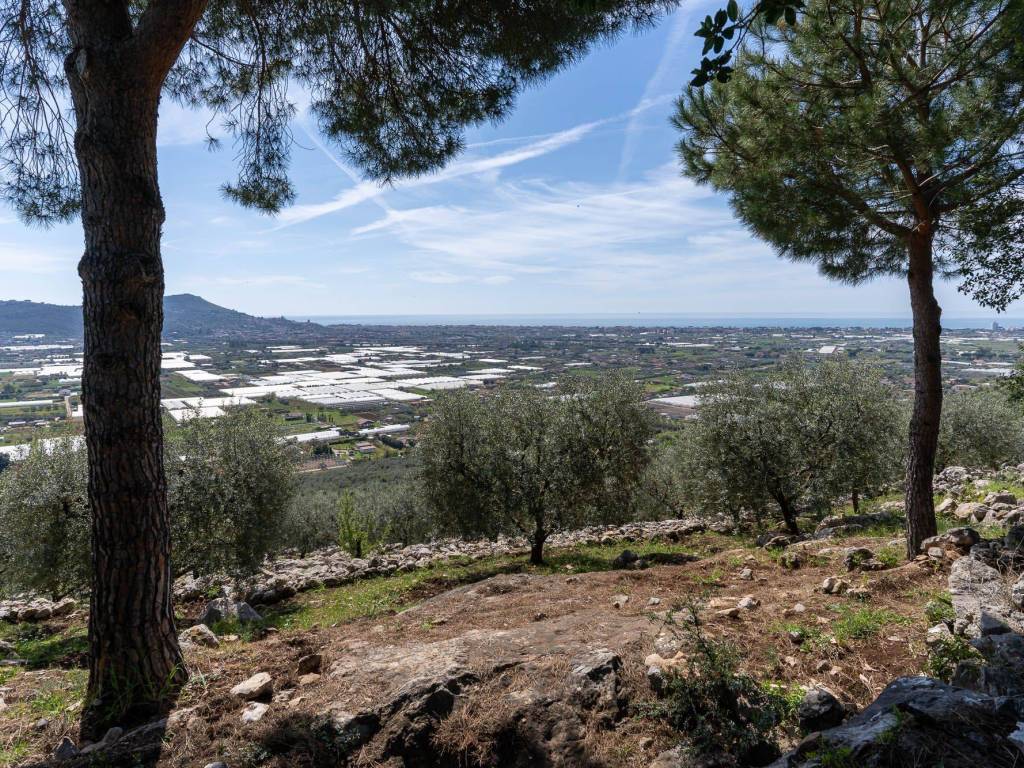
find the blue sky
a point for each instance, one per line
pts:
(575, 204)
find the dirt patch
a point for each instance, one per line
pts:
(490, 647)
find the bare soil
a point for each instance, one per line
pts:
(520, 633)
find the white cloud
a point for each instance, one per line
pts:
(666, 75)
(181, 126)
(571, 231)
(18, 258)
(266, 280)
(437, 278)
(486, 167)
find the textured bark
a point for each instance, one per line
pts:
(788, 513)
(537, 545)
(116, 73)
(924, 421)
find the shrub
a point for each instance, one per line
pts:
(395, 512)
(715, 706)
(947, 653)
(939, 609)
(355, 527)
(45, 522)
(358, 518)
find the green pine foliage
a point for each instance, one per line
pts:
(830, 134)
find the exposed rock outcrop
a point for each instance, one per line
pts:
(979, 718)
(918, 721)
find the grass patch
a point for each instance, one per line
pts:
(997, 486)
(834, 757)
(42, 647)
(14, 751)
(863, 623)
(939, 608)
(389, 594)
(946, 655)
(813, 637)
(62, 697)
(891, 556)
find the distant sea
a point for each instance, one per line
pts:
(642, 320)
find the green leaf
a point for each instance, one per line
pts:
(733, 10)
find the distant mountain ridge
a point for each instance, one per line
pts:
(185, 315)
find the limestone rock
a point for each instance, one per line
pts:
(833, 585)
(65, 750)
(958, 539)
(917, 721)
(981, 599)
(971, 511)
(625, 559)
(226, 609)
(819, 710)
(254, 712)
(258, 686)
(672, 758)
(199, 635)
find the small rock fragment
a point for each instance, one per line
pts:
(254, 712)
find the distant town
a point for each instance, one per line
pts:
(350, 393)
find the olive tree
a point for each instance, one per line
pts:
(876, 138)
(528, 462)
(310, 523)
(44, 521)
(230, 487)
(870, 418)
(230, 482)
(789, 439)
(394, 82)
(981, 428)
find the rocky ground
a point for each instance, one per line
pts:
(473, 659)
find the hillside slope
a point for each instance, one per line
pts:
(185, 315)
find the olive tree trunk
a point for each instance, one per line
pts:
(116, 72)
(540, 535)
(924, 421)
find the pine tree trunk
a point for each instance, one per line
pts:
(135, 665)
(855, 500)
(924, 421)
